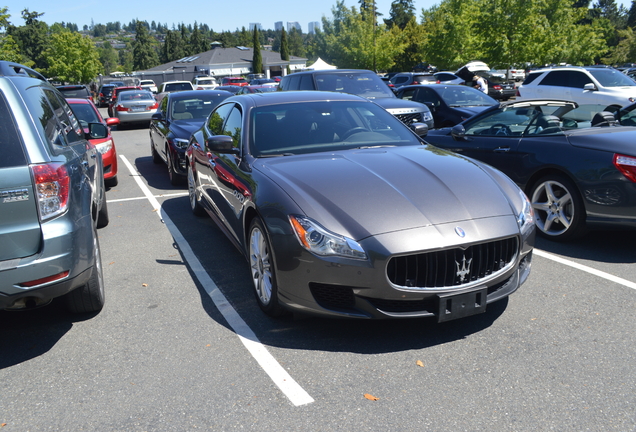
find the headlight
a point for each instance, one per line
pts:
(181, 143)
(525, 218)
(104, 147)
(318, 240)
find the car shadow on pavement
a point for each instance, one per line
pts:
(603, 246)
(229, 270)
(27, 334)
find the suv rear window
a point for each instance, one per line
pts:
(11, 151)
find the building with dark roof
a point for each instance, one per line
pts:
(219, 62)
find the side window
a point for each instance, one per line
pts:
(217, 118)
(408, 94)
(306, 82)
(44, 116)
(65, 116)
(233, 126)
(293, 83)
(164, 107)
(11, 151)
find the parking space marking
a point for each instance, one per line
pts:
(143, 197)
(585, 268)
(290, 388)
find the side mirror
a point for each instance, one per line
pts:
(458, 132)
(420, 129)
(590, 87)
(221, 144)
(97, 131)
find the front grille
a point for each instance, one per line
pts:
(407, 119)
(452, 267)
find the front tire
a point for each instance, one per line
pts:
(91, 296)
(262, 269)
(559, 210)
(195, 200)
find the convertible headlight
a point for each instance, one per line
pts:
(525, 218)
(318, 240)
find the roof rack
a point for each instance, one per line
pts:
(8, 68)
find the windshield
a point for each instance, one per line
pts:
(194, 107)
(312, 127)
(612, 78)
(365, 84)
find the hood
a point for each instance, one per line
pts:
(374, 191)
(185, 128)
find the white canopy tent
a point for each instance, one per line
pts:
(320, 64)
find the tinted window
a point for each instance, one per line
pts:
(11, 152)
(233, 126)
(215, 122)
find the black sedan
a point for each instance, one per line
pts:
(576, 163)
(449, 104)
(180, 114)
(341, 210)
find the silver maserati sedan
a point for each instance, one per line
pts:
(341, 210)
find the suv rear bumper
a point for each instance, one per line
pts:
(67, 246)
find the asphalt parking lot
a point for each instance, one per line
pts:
(182, 345)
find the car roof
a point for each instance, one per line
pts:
(275, 98)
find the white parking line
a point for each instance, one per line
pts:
(294, 392)
(587, 269)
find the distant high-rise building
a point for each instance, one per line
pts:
(257, 25)
(278, 25)
(293, 24)
(313, 26)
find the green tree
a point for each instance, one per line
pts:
(108, 57)
(353, 39)
(144, 54)
(284, 48)
(72, 58)
(402, 11)
(32, 39)
(257, 59)
(9, 49)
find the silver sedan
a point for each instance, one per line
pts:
(135, 106)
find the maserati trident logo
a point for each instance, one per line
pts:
(463, 269)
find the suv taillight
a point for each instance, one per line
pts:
(626, 165)
(52, 187)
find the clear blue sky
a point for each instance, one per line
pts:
(235, 15)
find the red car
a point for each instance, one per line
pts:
(86, 112)
(236, 81)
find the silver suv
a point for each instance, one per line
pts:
(584, 85)
(52, 197)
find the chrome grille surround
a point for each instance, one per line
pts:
(453, 268)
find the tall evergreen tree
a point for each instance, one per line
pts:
(257, 59)
(144, 54)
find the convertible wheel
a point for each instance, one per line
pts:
(89, 297)
(559, 211)
(262, 269)
(195, 199)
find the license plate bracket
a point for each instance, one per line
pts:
(454, 306)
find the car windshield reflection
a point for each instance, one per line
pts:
(323, 127)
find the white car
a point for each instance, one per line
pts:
(584, 85)
(204, 83)
(148, 85)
